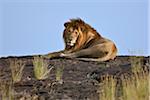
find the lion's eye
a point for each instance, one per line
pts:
(76, 32)
(69, 31)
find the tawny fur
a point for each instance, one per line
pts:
(89, 45)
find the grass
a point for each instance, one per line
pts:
(107, 88)
(135, 87)
(6, 90)
(17, 67)
(41, 70)
(59, 73)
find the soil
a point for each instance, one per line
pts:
(80, 79)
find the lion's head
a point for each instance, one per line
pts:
(71, 36)
(77, 33)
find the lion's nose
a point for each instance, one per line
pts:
(70, 39)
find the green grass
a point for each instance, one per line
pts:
(41, 70)
(16, 67)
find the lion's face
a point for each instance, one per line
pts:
(71, 36)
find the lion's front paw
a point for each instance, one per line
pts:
(65, 55)
(62, 55)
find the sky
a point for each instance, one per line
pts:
(29, 27)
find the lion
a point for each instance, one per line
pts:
(83, 42)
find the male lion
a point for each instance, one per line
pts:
(84, 43)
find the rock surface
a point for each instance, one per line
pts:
(79, 79)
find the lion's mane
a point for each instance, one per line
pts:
(86, 37)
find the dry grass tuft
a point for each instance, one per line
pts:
(17, 67)
(59, 73)
(6, 90)
(41, 70)
(108, 88)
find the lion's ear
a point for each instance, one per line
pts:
(66, 24)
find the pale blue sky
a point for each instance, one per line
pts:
(30, 27)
